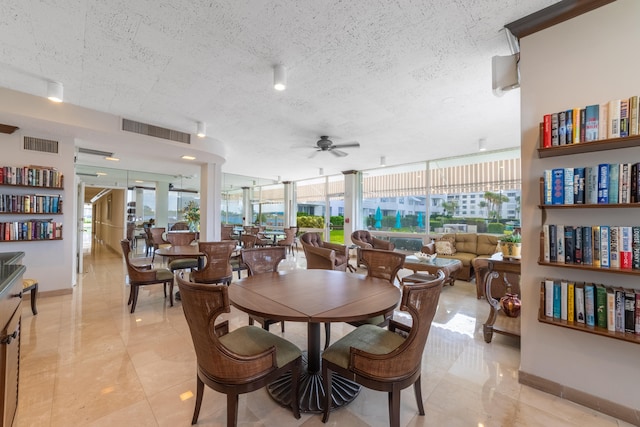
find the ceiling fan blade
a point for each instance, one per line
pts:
(312, 155)
(353, 144)
(338, 153)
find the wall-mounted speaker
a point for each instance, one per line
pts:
(505, 75)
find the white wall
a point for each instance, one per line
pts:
(51, 262)
(587, 60)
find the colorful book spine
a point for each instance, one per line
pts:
(583, 124)
(591, 187)
(577, 245)
(560, 244)
(587, 246)
(569, 126)
(555, 139)
(614, 260)
(605, 256)
(557, 197)
(546, 132)
(603, 123)
(611, 310)
(633, 115)
(562, 128)
(578, 186)
(564, 298)
(548, 298)
(624, 117)
(629, 310)
(592, 122)
(619, 308)
(635, 247)
(557, 300)
(638, 312)
(614, 181)
(569, 244)
(625, 247)
(571, 302)
(546, 254)
(595, 244)
(590, 304)
(603, 183)
(568, 186)
(553, 238)
(614, 119)
(576, 125)
(624, 184)
(579, 290)
(548, 187)
(601, 306)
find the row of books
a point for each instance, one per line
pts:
(616, 309)
(602, 246)
(614, 119)
(36, 176)
(606, 183)
(30, 203)
(30, 230)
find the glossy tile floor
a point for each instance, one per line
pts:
(85, 361)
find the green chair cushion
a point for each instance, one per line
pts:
(372, 339)
(374, 320)
(249, 340)
(164, 274)
(184, 263)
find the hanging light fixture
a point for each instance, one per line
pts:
(482, 144)
(383, 161)
(279, 77)
(55, 92)
(202, 130)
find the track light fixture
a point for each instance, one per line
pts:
(279, 77)
(55, 92)
(202, 130)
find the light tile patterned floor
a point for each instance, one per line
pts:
(85, 361)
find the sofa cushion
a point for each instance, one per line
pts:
(445, 247)
(487, 244)
(466, 242)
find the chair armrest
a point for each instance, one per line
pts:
(383, 244)
(363, 244)
(429, 248)
(341, 249)
(320, 258)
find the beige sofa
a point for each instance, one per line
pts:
(469, 246)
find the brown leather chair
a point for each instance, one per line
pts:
(141, 276)
(289, 239)
(236, 362)
(323, 255)
(218, 263)
(261, 261)
(382, 359)
(364, 239)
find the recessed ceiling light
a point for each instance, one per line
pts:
(55, 91)
(101, 174)
(188, 158)
(202, 130)
(139, 181)
(279, 77)
(112, 159)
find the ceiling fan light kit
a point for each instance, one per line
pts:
(325, 144)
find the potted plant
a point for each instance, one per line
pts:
(510, 245)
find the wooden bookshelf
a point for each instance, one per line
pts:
(590, 147)
(576, 326)
(614, 270)
(30, 240)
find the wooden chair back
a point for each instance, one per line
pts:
(181, 239)
(248, 241)
(382, 264)
(225, 232)
(218, 267)
(263, 260)
(157, 236)
(179, 226)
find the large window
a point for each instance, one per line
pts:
(268, 205)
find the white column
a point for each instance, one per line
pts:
(162, 204)
(352, 204)
(210, 197)
(289, 212)
(247, 213)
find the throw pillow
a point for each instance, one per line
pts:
(445, 247)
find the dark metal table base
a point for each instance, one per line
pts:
(311, 392)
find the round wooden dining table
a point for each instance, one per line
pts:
(315, 297)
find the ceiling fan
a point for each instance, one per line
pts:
(325, 144)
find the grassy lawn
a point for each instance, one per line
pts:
(337, 236)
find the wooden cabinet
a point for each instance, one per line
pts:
(600, 210)
(11, 273)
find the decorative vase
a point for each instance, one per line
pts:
(510, 249)
(511, 305)
(193, 226)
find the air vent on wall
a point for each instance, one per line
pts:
(155, 131)
(39, 144)
(95, 152)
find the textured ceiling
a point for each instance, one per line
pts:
(408, 79)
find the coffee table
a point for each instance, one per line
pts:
(449, 266)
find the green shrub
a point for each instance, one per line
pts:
(309, 221)
(433, 224)
(495, 228)
(337, 220)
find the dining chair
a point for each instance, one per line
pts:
(324, 255)
(261, 261)
(182, 239)
(364, 239)
(141, 276)
(385, 265)
(158, 240)
(233, 362)
(386, 360)
(218, 267)
(226, 232)
(289, 238)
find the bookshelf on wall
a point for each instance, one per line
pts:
(560, 306)
(30, 204)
